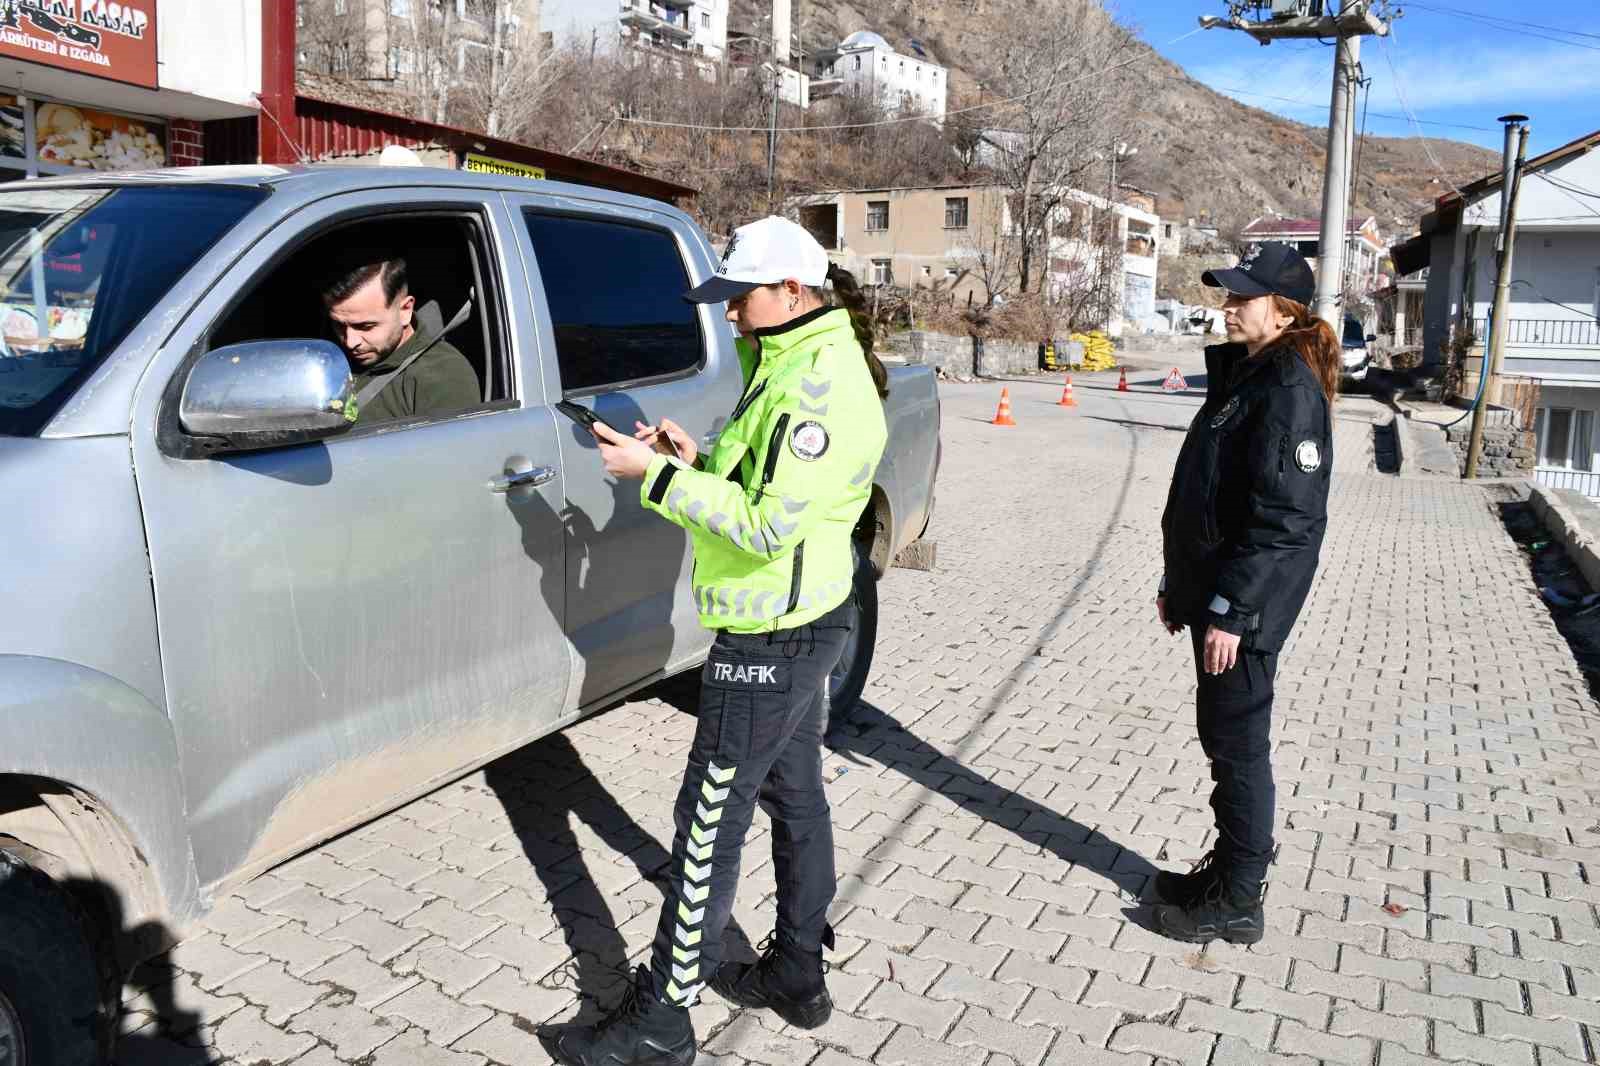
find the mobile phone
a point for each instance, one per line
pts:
(582, 415)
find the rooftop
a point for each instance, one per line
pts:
(1307, 226)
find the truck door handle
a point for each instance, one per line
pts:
(539, 475)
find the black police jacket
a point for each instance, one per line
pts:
(1248, 506)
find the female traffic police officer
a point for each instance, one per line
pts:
(1242, 532)
(771, 512)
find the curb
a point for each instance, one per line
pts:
(1573, 520)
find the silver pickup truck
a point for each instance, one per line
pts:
(238, 621)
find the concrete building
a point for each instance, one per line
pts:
(1364, 249)
(1553, 338)
(865, 64)
(947, 238)
(696, 27)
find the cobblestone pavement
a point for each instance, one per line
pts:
(1026, 760)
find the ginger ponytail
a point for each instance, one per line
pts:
(1314, 341)
(848, 295)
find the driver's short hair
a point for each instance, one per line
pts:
(355, 269)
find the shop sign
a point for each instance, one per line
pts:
(113, 39)
(483, 164)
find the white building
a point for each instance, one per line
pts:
(1553, 322)
(864, 64)
(696, 27)
(1138, 234)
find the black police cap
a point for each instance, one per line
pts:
(1270, 268)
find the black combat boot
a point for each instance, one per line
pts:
(641, 1031)
(1219, 912)
(788, 979)
(1183, 889)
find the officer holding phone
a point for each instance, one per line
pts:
(771, 512)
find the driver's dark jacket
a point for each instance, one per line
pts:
(1249, 499)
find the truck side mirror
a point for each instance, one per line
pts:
(268, 394)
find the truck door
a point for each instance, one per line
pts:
(607, 288)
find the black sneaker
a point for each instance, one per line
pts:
(786, 979)
(1216, 915)
(1183, 889)
(641, 1031)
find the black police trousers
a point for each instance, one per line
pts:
(763, 711)
(1233, 713)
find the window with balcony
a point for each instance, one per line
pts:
(1566, 438)
(956, 211)
(877, 215)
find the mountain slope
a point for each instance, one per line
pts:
(1204, 154)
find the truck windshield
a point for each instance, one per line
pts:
(80, 267)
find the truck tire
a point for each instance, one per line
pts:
(849, 677)
(51, 1007)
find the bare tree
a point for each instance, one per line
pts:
(992, 251)
(332, 41)
(507, 78)
(1051, 64)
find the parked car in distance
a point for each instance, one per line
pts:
(1357, 353)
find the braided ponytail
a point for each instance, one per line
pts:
(848, 295)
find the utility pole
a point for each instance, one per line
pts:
(1354, 21)
(1510, 190)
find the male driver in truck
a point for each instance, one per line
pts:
(402, 365)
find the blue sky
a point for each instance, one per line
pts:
(1459, 63)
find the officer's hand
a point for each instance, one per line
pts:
(1221, 651)
(623, 456)
(1161, 612)
(669, 438)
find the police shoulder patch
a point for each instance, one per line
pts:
(809, 441)
(1308, 456)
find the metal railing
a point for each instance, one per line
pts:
(1546, 332)
(1584, 481)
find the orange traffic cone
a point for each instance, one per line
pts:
(1122, 381)
(1067, 399)
(1002, 417)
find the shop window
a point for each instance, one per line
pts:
(877, 215)
(447, 265)
(615, 327)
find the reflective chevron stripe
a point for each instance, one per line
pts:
(695, 888)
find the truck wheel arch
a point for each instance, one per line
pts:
(89, 777)
(875, 531)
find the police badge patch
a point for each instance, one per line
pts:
(1226, 413)
(809, 441)
(1308, 457)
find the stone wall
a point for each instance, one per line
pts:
(1507, 450)
(954, 355)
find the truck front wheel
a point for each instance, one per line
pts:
(51, 1012)
(849, 677)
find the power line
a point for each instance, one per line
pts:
(1570, 194)
(1319, 106)
(1514, 25)
(1152, 53)
(1400, 94)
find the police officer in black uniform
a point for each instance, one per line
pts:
(1242, 532)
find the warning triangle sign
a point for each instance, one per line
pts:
(1175, 382)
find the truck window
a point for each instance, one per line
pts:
(615, 293)
(446, 265)
(79, 268)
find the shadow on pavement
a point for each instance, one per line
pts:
(870, 734)
(1136, 424)
(543, 787)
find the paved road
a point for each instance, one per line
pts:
(1026, 760)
